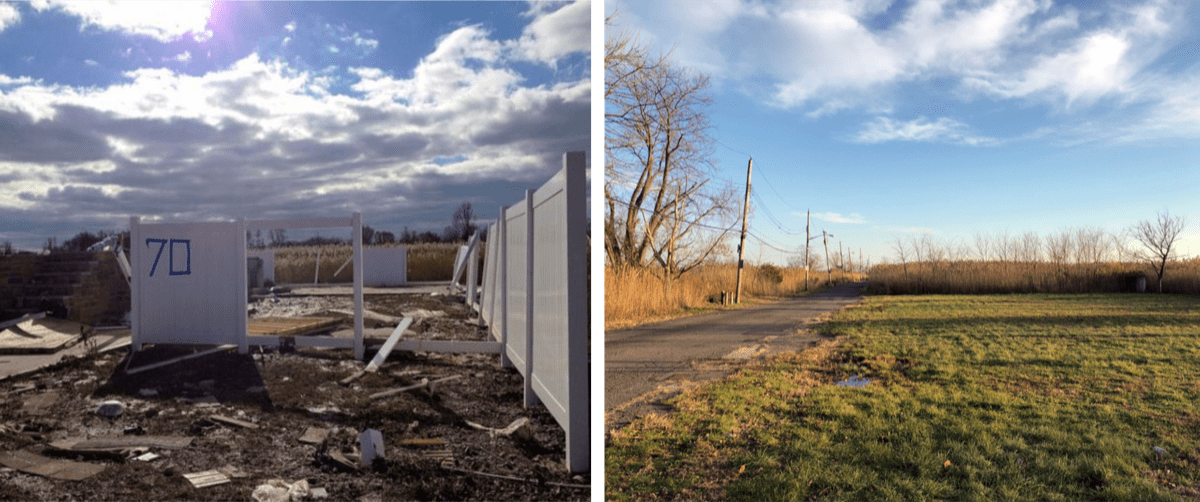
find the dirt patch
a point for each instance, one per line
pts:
(284, 394)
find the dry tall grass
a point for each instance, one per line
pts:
(298, 264)
(987, 277)
(634, 296)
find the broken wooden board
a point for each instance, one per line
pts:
(380, 395)
(117, 443)
(33, 336)
(341, 460)
(39, 404)
(33, 463)
(205, 479)
(314, 435)
(370, 318)
(233, 421)
(423, 442)
(290, 326)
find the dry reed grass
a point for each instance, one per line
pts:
(990, 277)
(298, 264)
(636, 296)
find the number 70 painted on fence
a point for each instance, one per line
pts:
(169, 245)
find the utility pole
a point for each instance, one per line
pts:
(828, 269)
(737, 295)
(842, 259)
(807, 239)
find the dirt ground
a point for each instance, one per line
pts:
(283, 393)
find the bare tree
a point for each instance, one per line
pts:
(1158, 239)
(902, 253)
(662, 203)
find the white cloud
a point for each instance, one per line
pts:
(184, 57)
(162, 21)
(830, 55)
(290, 27)
(9, 15)
(942, 130)
(839, 218)
(556, 34)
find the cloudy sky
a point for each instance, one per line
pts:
(895, 118)
(194, 111)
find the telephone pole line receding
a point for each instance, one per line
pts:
(737, 295)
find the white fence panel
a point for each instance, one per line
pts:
(268, 258)
(385, 266)
(534, 299)
(517, 306)
(189, 283)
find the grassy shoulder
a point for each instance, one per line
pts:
(1048, 397)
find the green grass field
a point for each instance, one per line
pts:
(1010, 397)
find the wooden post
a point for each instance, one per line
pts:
(737, 295)
(828, 269)
(807, 223)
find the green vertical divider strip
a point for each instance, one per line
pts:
(598, 250)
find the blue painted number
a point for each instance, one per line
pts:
(163, 244)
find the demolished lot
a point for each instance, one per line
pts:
(293, 423)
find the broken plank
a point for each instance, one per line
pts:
(382, 355)
(180, 358)
(33, 463)
(314, 435)
(122, 443)
(233, 421)
(351, 378)
(387, 393)
(423, 442)
(206, 478)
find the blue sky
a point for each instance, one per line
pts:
(893, 119)
(192, 111)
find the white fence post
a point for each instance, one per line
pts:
(356, 224)
(244, 288)
(135, 321)
(531, 398)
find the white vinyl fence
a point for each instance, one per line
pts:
(189, 282)
(534, 298)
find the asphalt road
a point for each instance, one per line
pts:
(640, 360)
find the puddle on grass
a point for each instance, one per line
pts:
(855, 382)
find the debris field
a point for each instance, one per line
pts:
(288, 423)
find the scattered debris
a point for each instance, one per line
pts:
(205, 479)
(371, 444)
(148, 392)
(278, 490)
(519, 424)
(233, 421)
(147, 457)
(514, 478)
(314, 435)
(318, 494)
(39, 404)
(32, 463)
(431, 388)
(233, 472)
(338, 458)
(1160, 451)
(110, 409)
(386, 350)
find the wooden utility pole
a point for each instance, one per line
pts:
(828, 270)
(737, 294)
(842, 260)
(807, 239)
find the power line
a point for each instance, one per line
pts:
(764, 177)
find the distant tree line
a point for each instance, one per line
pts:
(462, 225)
